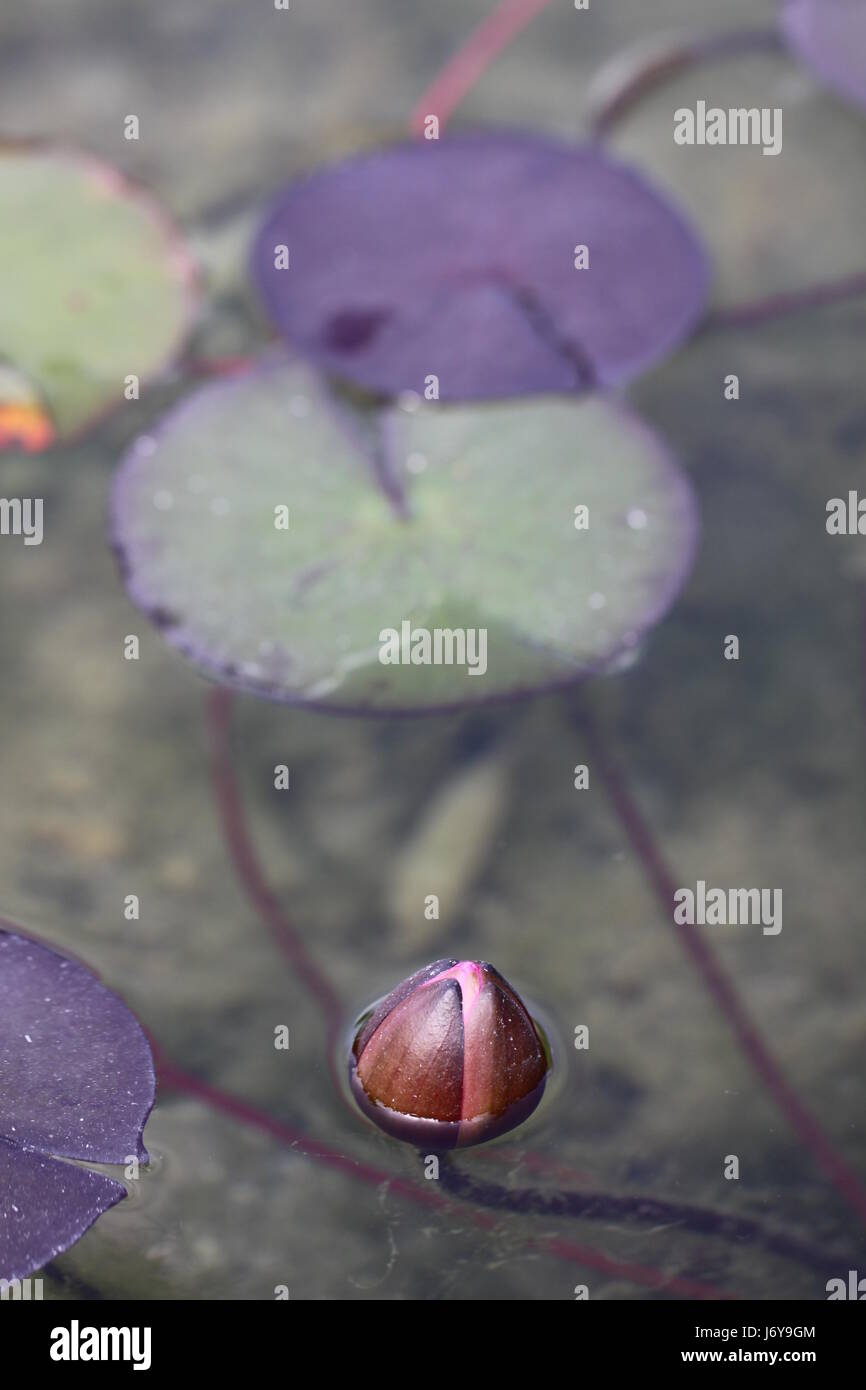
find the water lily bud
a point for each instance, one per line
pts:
(450, 1057)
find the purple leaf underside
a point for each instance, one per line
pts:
(456, 258)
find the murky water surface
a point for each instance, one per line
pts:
(749, 773)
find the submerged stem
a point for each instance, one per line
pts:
(720, 987)
(421, 1194)
(789, 302)
(647, 1211)
(472, 60)
(248, 867)
(621, 84)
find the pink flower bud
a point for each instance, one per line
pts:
(450, 1057)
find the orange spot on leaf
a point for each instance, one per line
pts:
(25, 427)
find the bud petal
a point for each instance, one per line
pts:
(450, 1057)
(414, 1061)
(503, 1057)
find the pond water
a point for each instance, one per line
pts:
(748, 773)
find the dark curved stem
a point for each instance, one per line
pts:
(720, 987)
(627, 79)
(646, 1211)
(249, 870)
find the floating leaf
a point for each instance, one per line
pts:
(46, 1206)
(76, 1081)
(465, 521)
(829, 36)
(94, 283)
(456, 258)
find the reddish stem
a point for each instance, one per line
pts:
(635, 1274)
(246, 862)
(791, 302)
(472, 59)
(425, 1196)
(622, 83)
(722, 990)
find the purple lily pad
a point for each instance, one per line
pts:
(829, 36)
(45, 1207)
(76, 1081)
(456, 258)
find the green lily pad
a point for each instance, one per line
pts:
(462, 519)
(95, 285)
